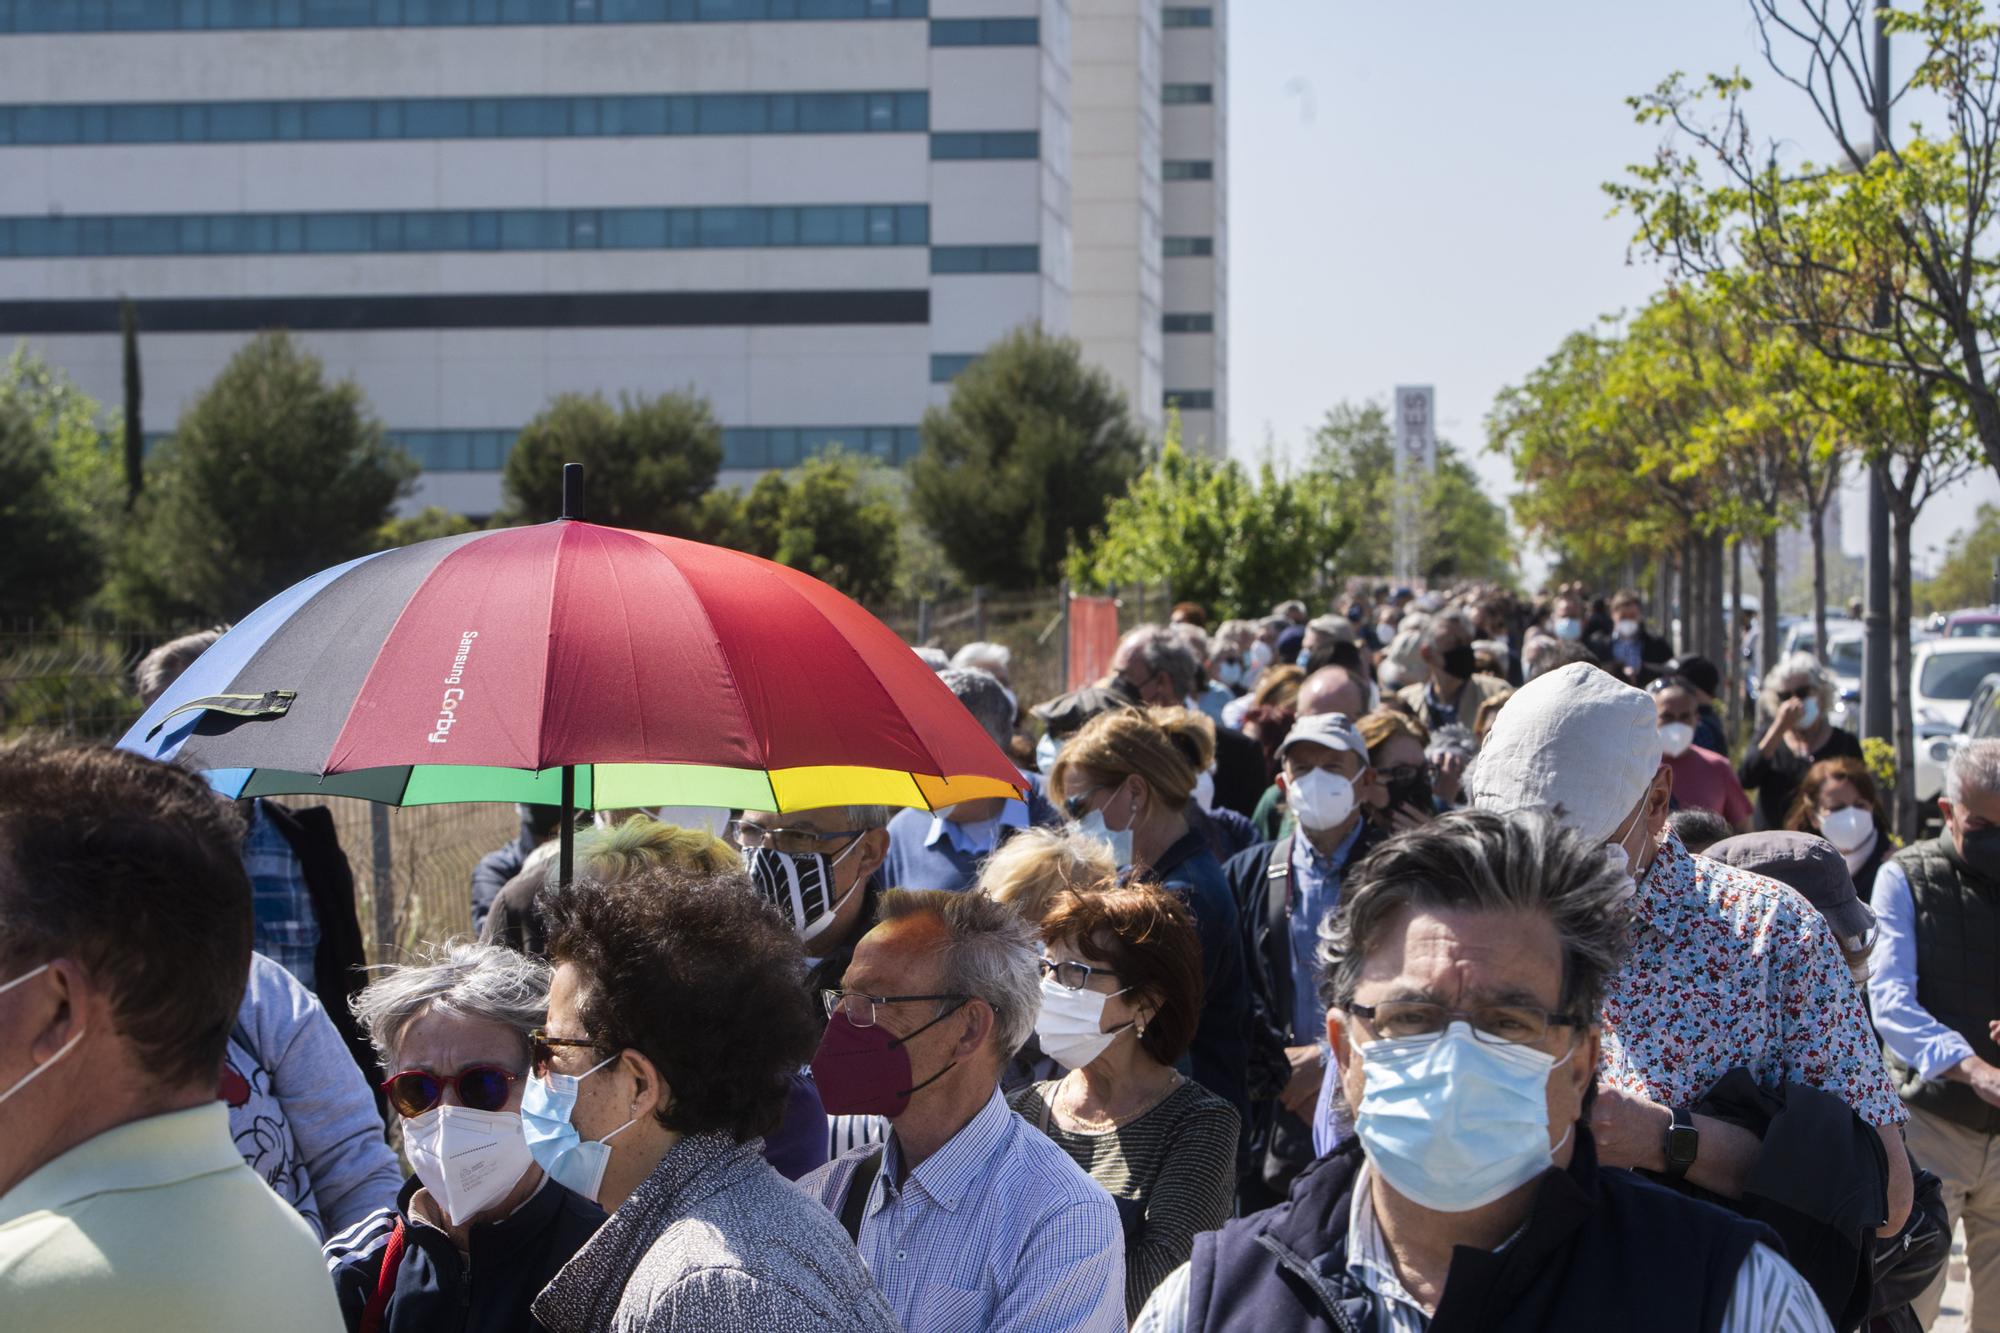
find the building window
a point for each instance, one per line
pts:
(466, 229)
(1189, 247)
(456, 450)
(945, 366)
(985, 145)
(216, 15)
(788, 446)
(1187, 16)
(986, 32)
(1191, 400)
(1187, 94)
(1187, 169)
(467, 117)
(1202, 322)
(986, 259)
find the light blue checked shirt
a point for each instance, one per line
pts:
(996, 1232)
(287, 930)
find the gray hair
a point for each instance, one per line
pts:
(1288, 610)
(933, 658)
(164, 665)
(1453, 619)
(984, 697)
(1160, 650)
(1797, 664)
(978, 654)
(867, 817)
(990, 953)
(1976, 766)
(480, 981)
(1479, 860)
(1194, 636)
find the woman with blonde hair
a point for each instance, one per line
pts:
(1123, 780)
(1029, 870)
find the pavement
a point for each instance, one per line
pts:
(1951, 1314)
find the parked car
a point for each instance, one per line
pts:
(1948, 677)
(1972, 625)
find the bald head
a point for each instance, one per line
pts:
(1333, 690)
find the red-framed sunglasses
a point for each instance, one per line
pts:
(480, 1087)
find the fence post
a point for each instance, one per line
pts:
(923, 621)
(1062, 592)
(979, 611)
(1142, 601)
(385, 881)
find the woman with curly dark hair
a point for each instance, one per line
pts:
(677, 1016)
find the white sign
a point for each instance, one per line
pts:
(1416, 459)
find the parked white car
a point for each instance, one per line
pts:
(1944, 676)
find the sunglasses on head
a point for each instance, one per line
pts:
(480, 1088)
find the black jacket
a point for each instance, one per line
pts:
(338, 969)
(436, 1291)
(1654, 654)
(1601, 1249)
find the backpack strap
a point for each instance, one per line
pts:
(385, 1282)
(1278, 906)
(855, 1205)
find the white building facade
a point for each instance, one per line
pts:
(811, 212)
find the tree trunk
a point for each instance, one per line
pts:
(1694, 595)
(1663, 591)
(1718, 617)
(134, 432)
(1767, 597)
(1904, 808)
(1816, 523)
(1734, 665)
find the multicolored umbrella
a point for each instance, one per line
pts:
(655, 671)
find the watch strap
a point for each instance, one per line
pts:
(1683, 1143)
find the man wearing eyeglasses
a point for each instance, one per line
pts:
(1461, 978)
(818, 867)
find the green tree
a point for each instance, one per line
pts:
(271, 475)
(831, 518)
(1463, 533)
(50, 560)
(1966, 576)
(648, 462)
(421, 526)
(1216, 535)
(1024, 460)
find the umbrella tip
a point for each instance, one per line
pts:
(572, 495)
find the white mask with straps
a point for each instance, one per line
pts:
(43, 1067)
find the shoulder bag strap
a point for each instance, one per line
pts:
(385, 1282)
(855, 1206)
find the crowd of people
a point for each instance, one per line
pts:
(1430, 961)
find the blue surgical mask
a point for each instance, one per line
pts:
(1046, 750)
(1230, 674)
(1809, 714)
(1119, 841)
(1569, 628)
(573, 1163)
(1452, 1122)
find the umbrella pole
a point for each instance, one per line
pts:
(566, 855)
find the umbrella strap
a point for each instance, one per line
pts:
(271, 703)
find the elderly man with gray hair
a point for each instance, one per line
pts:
(946, 849)
(968, 1218)
(478, 1230)
(1462, 978)
(1726, 970)
(1935, 985)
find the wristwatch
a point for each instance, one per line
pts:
(1683, 1143)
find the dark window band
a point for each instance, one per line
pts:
(562, 310)
(331, 120)
(217, 15)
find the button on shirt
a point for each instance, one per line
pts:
(998, 1231)
(1728, 968)
(1316, 892)
(1907, 1028)
(287, 932)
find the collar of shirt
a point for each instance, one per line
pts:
(1311, 867)
(956, 1169)
(979, 837)
(1368, 1259)
(1671, 889)
(140, 1154)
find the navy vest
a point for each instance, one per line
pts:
(1601, 1249)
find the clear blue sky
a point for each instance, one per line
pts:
(1414, 198)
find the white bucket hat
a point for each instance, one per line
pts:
(1576, 742)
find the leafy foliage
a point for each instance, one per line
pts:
(271, 475)
(50, 561)
(1024, 460)
(648, 462)
(1966, 576)
(830, 518)
(1219, 537)
(422, 526)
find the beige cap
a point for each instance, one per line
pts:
(1576, 742)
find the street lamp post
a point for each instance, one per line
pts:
(1875, 647)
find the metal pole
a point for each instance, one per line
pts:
(1062, 592)
(979, 611)
(566, 847)
(1875, 645)
(385, 881)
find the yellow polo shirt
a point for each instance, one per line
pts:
(158, 1226)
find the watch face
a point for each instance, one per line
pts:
(1683, 1141)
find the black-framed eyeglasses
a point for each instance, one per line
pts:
(1495, 1024)
(1073, 976)
(791, 841)
(542, 1048)
(860, 1008)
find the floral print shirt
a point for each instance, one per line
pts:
(1728, 968)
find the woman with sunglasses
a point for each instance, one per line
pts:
(1797, 703)
(478, 1230)
(1121, 994)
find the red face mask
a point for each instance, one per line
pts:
(866, 1071)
